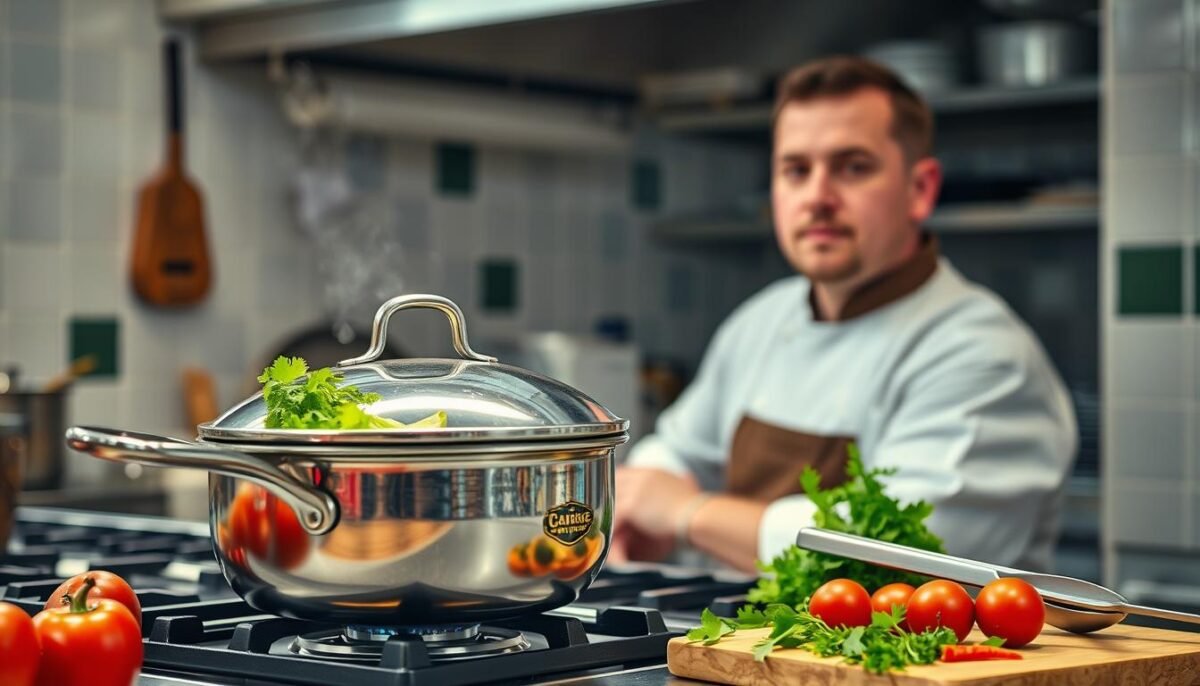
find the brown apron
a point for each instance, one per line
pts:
(766, 461)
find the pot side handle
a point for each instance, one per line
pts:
(317, 509)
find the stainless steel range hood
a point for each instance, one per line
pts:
(606, 45)
(242, 28)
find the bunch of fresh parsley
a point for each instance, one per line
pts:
(881, 646)
(795, 574)
(298, 399)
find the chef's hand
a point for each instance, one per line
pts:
(649, 503)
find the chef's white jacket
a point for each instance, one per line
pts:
(945, 384)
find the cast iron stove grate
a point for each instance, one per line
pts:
(619, 636)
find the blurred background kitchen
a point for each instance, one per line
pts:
(588, 180)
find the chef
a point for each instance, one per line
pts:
(878, 340)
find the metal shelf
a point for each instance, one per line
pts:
(990, 98)
(975, 218)
(757, 116)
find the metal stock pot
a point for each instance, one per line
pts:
(506, 510)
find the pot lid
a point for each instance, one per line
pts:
(484, 401)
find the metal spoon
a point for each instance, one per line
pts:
(1072, 604)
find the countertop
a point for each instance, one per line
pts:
(130, 497)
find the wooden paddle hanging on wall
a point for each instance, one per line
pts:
(170, 265)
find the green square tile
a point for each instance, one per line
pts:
(99, 337)
(647, 185)
(1196, 279)
(499, 279)
(1150, 280)
(455, 168)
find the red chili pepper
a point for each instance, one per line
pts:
(961, 653)
(88, 642)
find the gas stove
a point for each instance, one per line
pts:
(197, 631)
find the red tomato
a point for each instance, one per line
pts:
(892, 594)
(108, 585)
(92, 642)
(1012, 610)
(19, 649)
(267, 527)
(941, 603)
(841, 602)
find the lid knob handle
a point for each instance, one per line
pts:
(458, 327)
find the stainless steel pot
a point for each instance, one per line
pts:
(44, 416)
(505, 511)
(1035, 53)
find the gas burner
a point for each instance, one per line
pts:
(438, 633)
(364, 644)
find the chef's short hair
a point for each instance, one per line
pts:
(912, 121)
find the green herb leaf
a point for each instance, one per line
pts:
(778, 637)
(888, 620)
(749, 617)
(853, 645)
(711, 628)
(878, 647)
(994, 641)
(793, 576)
(299, 399)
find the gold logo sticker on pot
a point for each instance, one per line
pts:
(568, 522)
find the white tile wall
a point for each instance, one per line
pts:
(96, 146)
(37, 341)
(1149, 35)
(213, 339)
(1156, 352)
(34, 279)
(94, 75)
(4, 59)
(1150, 389)
(38, 151)
(97, 279)
(1149, 513)
(41, 18)
(93, 212)
(1195, 360)
(35, 71)
(1151, 442)
(148, 342)
(35, 209)
(94, 23)
(1149, 115)
(1150, 207)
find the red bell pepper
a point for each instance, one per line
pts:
(96, 643)
(963, 653)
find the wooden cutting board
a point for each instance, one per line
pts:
(1125, 655)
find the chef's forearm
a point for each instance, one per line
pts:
(726, 527)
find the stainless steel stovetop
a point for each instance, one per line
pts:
(197, 631)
